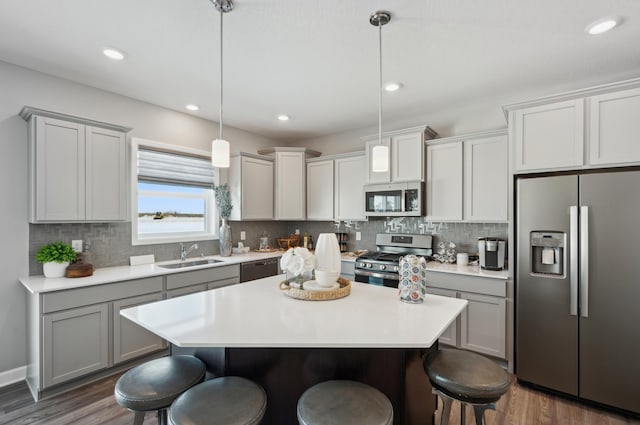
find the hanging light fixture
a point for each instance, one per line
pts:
(219, 147)
(380, 152)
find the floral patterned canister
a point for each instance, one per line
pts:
(413, 278)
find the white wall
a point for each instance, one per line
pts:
(20, 87)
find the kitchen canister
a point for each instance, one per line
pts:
(413, 278)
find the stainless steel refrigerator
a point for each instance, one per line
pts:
(578, 285)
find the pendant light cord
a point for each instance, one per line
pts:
(221, 77)
(380, 84)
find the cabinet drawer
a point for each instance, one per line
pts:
(180, 280)
(63, 300)
(186, 290)
(466, 283)
(223, 282)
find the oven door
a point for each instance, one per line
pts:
(377, 278)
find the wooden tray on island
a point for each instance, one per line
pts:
(305, 294)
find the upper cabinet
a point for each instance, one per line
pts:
(467, 178)
(290, 181)
(406, 153)
(77, 168)
(334, 187)
(251, 187)
(589, 128)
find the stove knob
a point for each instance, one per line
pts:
(383, 267)
(368, 265)
(396, 268)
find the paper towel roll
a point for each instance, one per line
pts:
(548, 256)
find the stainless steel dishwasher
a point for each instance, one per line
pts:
(258, 269)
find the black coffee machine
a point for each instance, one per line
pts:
(491, 253)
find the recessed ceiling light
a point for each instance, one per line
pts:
(392, 86)
(192, 107)
(603, 25)
(112, 53)
(283, 117)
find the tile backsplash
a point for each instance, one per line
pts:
(110, 243)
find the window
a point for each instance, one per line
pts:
(172, 194)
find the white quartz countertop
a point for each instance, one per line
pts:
(38, 284)
(258, 314)
(475, 270)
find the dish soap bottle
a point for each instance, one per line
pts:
(306, 240)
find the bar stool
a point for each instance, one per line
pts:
(229, 400)
(154, 385)
(467, 377)
(344, 402)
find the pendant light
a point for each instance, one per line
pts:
(380, 152)
(219, 147)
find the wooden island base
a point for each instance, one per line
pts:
(285, 373)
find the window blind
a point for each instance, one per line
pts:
(173, 167)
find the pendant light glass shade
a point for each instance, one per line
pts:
(220, 153)
(380, 158)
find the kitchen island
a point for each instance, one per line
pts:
(287, 345)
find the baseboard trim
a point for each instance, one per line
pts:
(12, 376)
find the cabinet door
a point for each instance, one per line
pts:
(486, 179)
(106, 175)
(59, 170)
(349, 202)
(549, 136)
(347, 269)
(257, 189)
(373, 176)
(483, 325)
(320, 190)
(407, 154)
(450, 335)
(290, 186)
(75, 342)
(614, 128)
(130, 340)
(444, 181)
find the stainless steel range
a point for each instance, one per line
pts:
(381, 267)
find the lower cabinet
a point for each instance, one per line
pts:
(130, 340)
(347, 270)
(75, 342)
(202, 280)
(482, 326)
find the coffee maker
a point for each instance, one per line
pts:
(491, 253)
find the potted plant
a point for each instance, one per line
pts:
(223, 204)
(55, 257)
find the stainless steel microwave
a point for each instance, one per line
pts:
(394, 199)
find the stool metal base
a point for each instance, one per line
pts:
(478, 409)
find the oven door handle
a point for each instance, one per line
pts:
(379, 275)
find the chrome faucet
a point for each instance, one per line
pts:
(184, 251)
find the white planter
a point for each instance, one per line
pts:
(53, 269)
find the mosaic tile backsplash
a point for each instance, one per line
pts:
(110, 243)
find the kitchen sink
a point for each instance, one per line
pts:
(187, 264)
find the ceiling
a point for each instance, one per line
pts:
(317, 61)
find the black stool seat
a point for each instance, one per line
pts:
(344, 402)
(467, 377)
(154, 385)
(229, 400)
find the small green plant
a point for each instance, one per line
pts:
(56, 252)
(223, 200)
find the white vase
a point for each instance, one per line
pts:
(327, 254)
(53, 269)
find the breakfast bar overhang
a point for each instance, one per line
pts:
(288, 345)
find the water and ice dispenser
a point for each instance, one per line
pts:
(548, 253)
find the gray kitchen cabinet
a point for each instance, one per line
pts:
(77, 168)
(74, 343)
(347, 270)
(251, 187)
(190, 282)
(130, 340)
(482, 326)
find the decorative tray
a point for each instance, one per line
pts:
(331, 294)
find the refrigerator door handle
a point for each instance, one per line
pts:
(584, 261)
(573, 261)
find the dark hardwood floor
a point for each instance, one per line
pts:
(94, 405)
